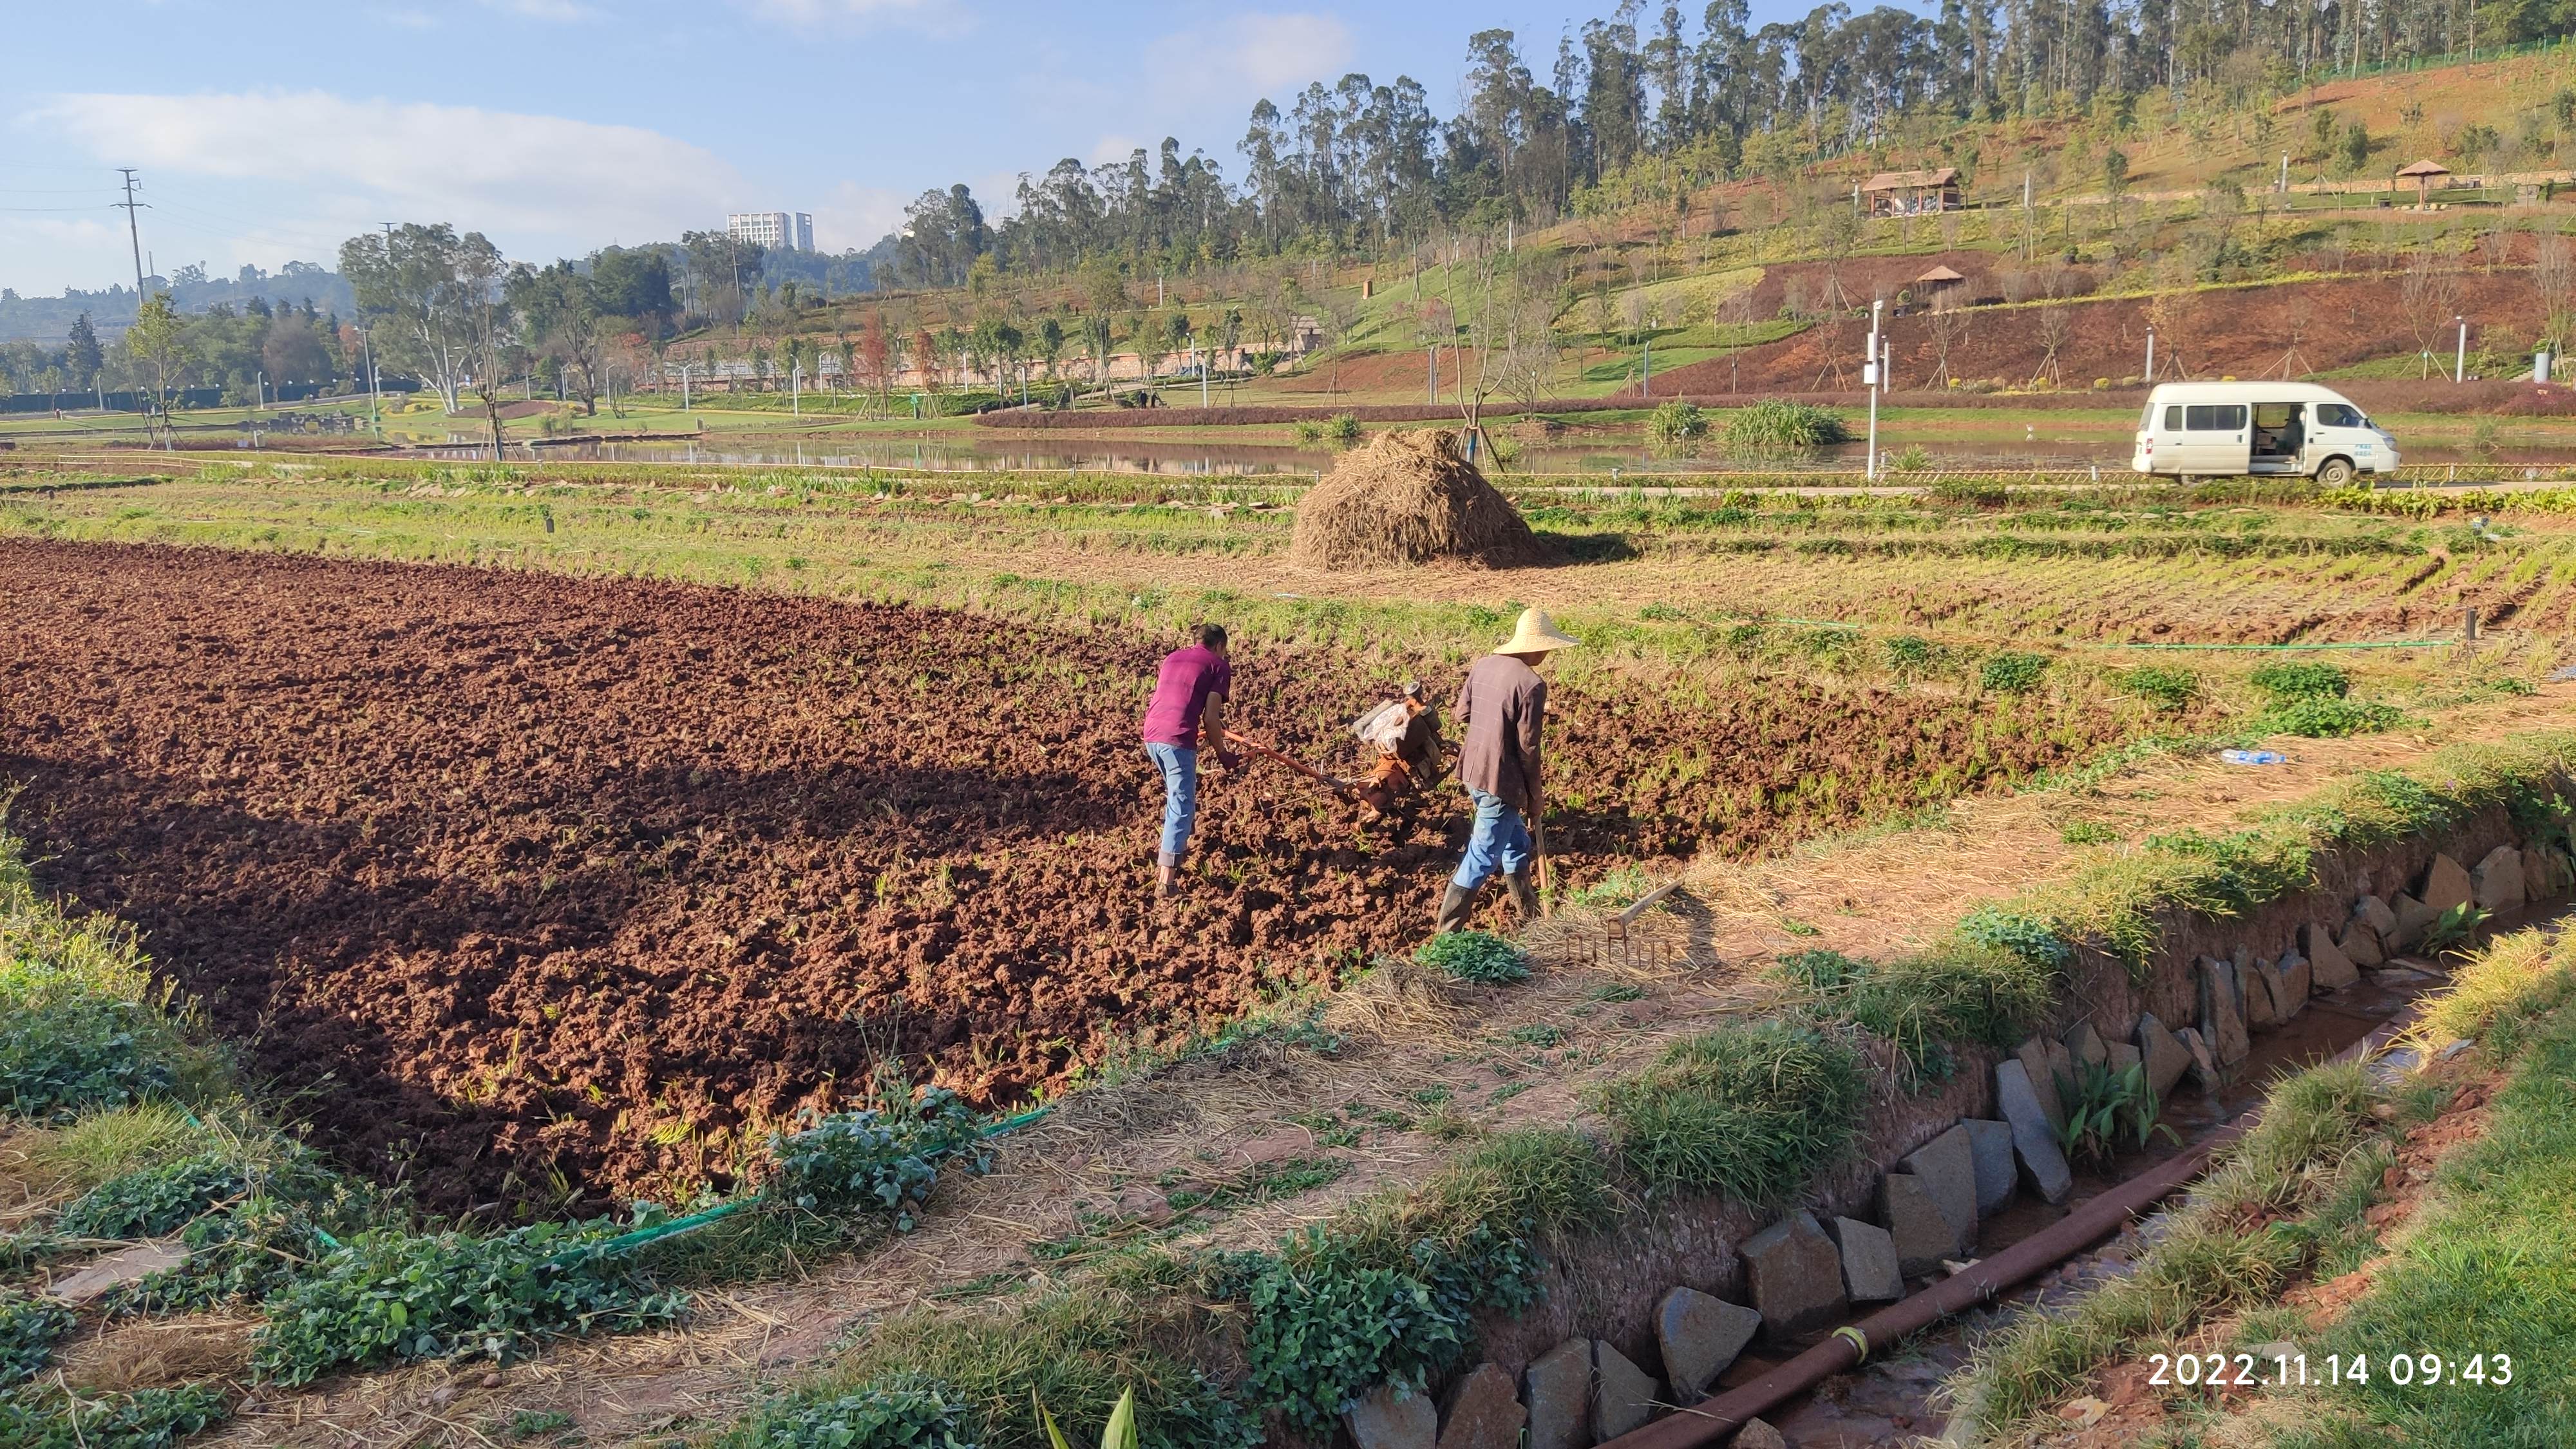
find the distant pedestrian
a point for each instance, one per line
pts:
(1190, 692)
(1503, 709)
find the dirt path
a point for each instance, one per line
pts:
(1089, 1178)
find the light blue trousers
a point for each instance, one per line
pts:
(1499, 845)
(1180, 767)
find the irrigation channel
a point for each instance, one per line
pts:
(1895, 1400)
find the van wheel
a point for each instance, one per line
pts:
(2337, 473)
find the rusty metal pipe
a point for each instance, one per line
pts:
(1711, 1420)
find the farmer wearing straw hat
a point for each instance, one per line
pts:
(1503, 705)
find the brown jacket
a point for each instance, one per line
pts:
(1502, 707)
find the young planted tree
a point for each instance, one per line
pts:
(158, 340)
(2553, 275)
(2430, 295)
(1947, 325)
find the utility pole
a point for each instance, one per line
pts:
(2460, 360)
(2151, 352)
(132, 233)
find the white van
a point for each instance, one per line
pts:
(2228, 429)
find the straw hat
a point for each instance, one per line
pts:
(1537, 634)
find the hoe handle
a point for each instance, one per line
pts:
(1292, 762)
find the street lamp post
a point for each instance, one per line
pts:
(1870, 378)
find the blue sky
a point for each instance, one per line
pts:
(268, 130)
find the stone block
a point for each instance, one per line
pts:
(1484, 1412)
(2084, 1044)
(1700, 1335)
(1990, 1143)
(2446, 884)
(2222, 1022)
(1796, 1277)
(2414, 918)
(2331, 968)
(2540, 877)
(125, 1265)
(2378, 915)
(2038, 1058)
(2043, 1165)
(2123, 1057)
(1922, 1235)
(2297, 982)
(1948, 1169)
(2204, 1067)
(2360, 942)
(1392, 1418)
(2165, 1058)
(2497, 883)
(1871, 1272)
(2254, 987)
(1558, 1389)
(1623, 1395)
(1758, 1435)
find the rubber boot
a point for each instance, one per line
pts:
(1454, 908)
(1524, 895)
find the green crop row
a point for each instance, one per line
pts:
(2414, 504)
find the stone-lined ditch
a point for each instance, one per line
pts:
(1696, 1302)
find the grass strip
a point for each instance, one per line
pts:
(2283, 1199)
(2119, 900)
(2488, 1267)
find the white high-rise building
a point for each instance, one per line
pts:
(776, 230)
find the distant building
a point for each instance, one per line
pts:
(779, 231)
(1907, 193)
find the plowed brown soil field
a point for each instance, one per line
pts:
(516, 882)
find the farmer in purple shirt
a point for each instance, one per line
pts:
(1189, 700)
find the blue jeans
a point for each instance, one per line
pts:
(1500, 843)
(1180, 767)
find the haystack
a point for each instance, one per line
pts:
(1408, 498)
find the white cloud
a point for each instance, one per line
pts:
(945, 15)
(360, 160)
(854, 217)
(560, 11)
(1253, 52)
(1116, 148)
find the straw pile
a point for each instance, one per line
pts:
(1408, 498)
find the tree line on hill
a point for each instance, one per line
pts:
(1662, 108)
